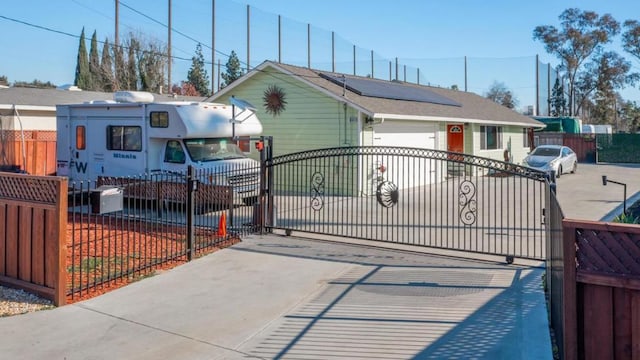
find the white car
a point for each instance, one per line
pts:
(558, 158)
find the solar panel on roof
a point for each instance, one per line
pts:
(388, 90)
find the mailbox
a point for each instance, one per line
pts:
(105, 199)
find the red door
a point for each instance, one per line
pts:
(455, 138)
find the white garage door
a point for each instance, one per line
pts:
(406, 172)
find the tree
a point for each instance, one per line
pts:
(606, 73)
(131, 66)
(106, 69)
(95, 77)
(582, 35)
(34, 84)
(630, 117)
(139, 64)
(557, 102)
(83, 75)
(185, 89)
(151, 57)
(197, 75)
(234, 71)
(499, 93)
(631, 38)
(4, 81)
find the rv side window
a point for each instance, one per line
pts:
(81, 142)
(125, 138)
(159, 119)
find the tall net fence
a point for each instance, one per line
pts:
(256, 35)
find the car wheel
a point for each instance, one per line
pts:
(559, 172)
(575, 168)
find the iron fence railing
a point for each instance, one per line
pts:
(126, 227)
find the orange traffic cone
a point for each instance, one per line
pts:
(222, 225)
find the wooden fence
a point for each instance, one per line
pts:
(33, 222)
(601, 297)
(584, 145)
(33, 151)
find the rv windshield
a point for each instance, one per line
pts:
(212, 149)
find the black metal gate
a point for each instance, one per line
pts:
(409, 196)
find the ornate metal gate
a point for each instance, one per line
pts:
(409, 196)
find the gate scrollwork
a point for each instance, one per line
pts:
(467, 202)
(317, 191)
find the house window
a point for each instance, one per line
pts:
(81, 142)
(490, 137)
(125, 138)
(525, 137)
(159, 119)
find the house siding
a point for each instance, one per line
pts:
(311, 119)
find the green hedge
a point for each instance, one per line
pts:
(618, 148)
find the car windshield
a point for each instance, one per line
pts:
(545, 151)
(213, 149)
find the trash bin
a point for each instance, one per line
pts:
(105, 199)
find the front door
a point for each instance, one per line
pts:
(455, 138)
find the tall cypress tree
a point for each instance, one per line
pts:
(557, 100)
(106, 68)
(132, 68)
(83, 76)
(94, 65)
(197, 75)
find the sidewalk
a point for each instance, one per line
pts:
(281, 297)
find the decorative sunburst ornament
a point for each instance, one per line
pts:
(274, 100)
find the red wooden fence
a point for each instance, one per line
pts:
(601, 290)
(33, 151)
(33, 221)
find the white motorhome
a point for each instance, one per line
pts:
(134, 135)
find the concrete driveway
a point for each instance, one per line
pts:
(275, 297)
(583, 197)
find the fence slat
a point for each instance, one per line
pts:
(598, 320)
(635, 325)
(622, 323)
(37, 253)
(12, 241)
(3, 242)
(24, 241)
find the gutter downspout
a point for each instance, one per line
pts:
(24, 151)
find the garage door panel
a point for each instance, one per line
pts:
(406, 172)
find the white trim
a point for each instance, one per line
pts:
(27, 107)
(449, 120)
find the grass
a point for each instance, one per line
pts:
(632, 216)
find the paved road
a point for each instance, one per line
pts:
(583, 197)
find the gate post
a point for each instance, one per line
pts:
(264, 212)
(191, 189)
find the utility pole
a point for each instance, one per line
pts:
(116, 43)
(169, 52)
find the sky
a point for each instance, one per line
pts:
(429, 39)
